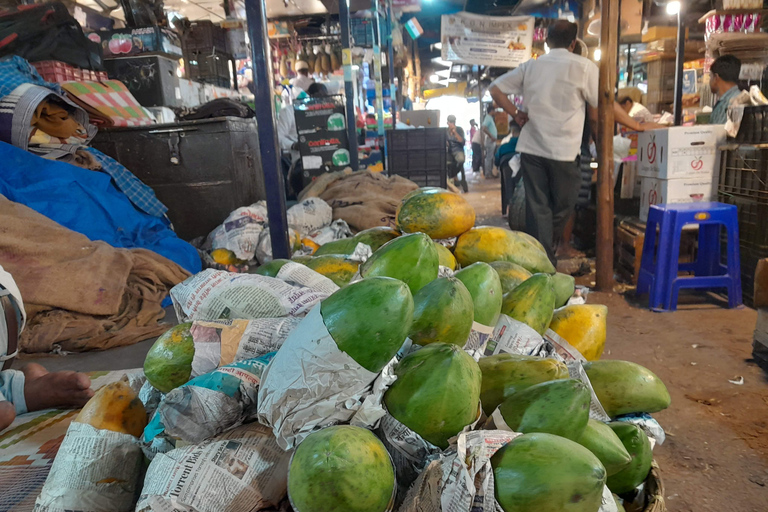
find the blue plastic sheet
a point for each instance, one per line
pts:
(88, 202)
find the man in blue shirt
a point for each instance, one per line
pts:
(723, 80)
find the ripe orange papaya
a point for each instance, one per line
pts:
(435, 211)
(115, 407)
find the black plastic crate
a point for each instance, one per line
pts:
(419, 155)
(744, 172)
(752, 220)
(208, 67)
(204, 35)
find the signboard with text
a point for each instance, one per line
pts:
(322, 131)
(500, 41)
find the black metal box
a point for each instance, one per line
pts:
(152, 79)
(201, 170)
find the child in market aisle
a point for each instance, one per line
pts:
(32, 388)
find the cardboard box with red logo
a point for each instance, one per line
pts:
(682, 190)
(680, 152)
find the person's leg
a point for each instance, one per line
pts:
(11, 396)
(460, 158)
(565, 184)
(476, 157)
(490, 150)
(538, 212)
(43, 390)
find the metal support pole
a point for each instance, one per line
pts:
(349, 88)
(679, 61)
(391, 66)
(265, 119)
(605, 128)
(377, 80)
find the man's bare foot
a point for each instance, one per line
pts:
(7, 414)
(59, 389)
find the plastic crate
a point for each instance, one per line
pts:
(58, 72)
(208, 67)
(204, 35)
(744, 172)
(361, 30)
(419, 155)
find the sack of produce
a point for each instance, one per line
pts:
(98, 466)
(325, 369)
(210, 403)
(215, 294)
(309, 215)
(192, 349)
(242, 469)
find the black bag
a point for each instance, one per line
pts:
(47, 32)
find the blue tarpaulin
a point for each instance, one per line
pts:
(88, 202)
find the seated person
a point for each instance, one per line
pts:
(636, 110)
(32, 388)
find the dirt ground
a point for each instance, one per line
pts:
(715, 458)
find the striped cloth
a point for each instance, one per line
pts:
(109, 103)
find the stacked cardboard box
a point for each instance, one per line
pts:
(678, 165)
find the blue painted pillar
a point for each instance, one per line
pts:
(349, 89)
(256, 14)
(377, 81)
(391, 64)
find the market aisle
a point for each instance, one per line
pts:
(715, 458)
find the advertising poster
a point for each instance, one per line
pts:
(322, 130)
(500, 41)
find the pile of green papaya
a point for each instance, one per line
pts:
(408, 310)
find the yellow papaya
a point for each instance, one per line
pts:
(435, 211)
(445, 256)
(583, 326)
(115, 407)
(225, 257)
(335, 267)
(489, 243)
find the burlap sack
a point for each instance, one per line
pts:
(78, 294)
(363, 199)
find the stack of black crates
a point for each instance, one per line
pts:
(205, 54)
(419, 154)
(744, 182)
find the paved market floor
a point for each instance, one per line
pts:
(715, 458)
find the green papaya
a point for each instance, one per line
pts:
(559, 407)
(336, 267)
(369, 319)
(490, 243)
(168, 364)
(639, 448)
(510, 274)
(341, 468)
(344, 246)
(445, 256)
(271, 268)
(624, 387)
(506, 374)
(436, 393)
(301, 258)
(547, 473)
(532, 302)
(376, 237)
(410, 258)
(485, 288)
(564, 286)
(442, 312)
(600, 439)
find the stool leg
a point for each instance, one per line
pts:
(672, 266)
(708, 259)
(657, 299)
(647, 264)
(734, 266)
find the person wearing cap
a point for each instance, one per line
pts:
(32, 388)
(456, 141)
(302, 80)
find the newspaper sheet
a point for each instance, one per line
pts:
(243, 469)
(309, 215)
(300, 275)
(513, 337)
(564, 349)
(337, 230)
(648, 424)
(240, 231)
(478, 339)
(95, 470)
(328, 387)
(210, 403)
(215, 294)
(222, 342)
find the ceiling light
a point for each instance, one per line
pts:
(438, 60)
(437, 46)
(434, 79)
(673, 8)
(598, 54)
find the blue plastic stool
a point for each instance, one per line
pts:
(659, 268)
